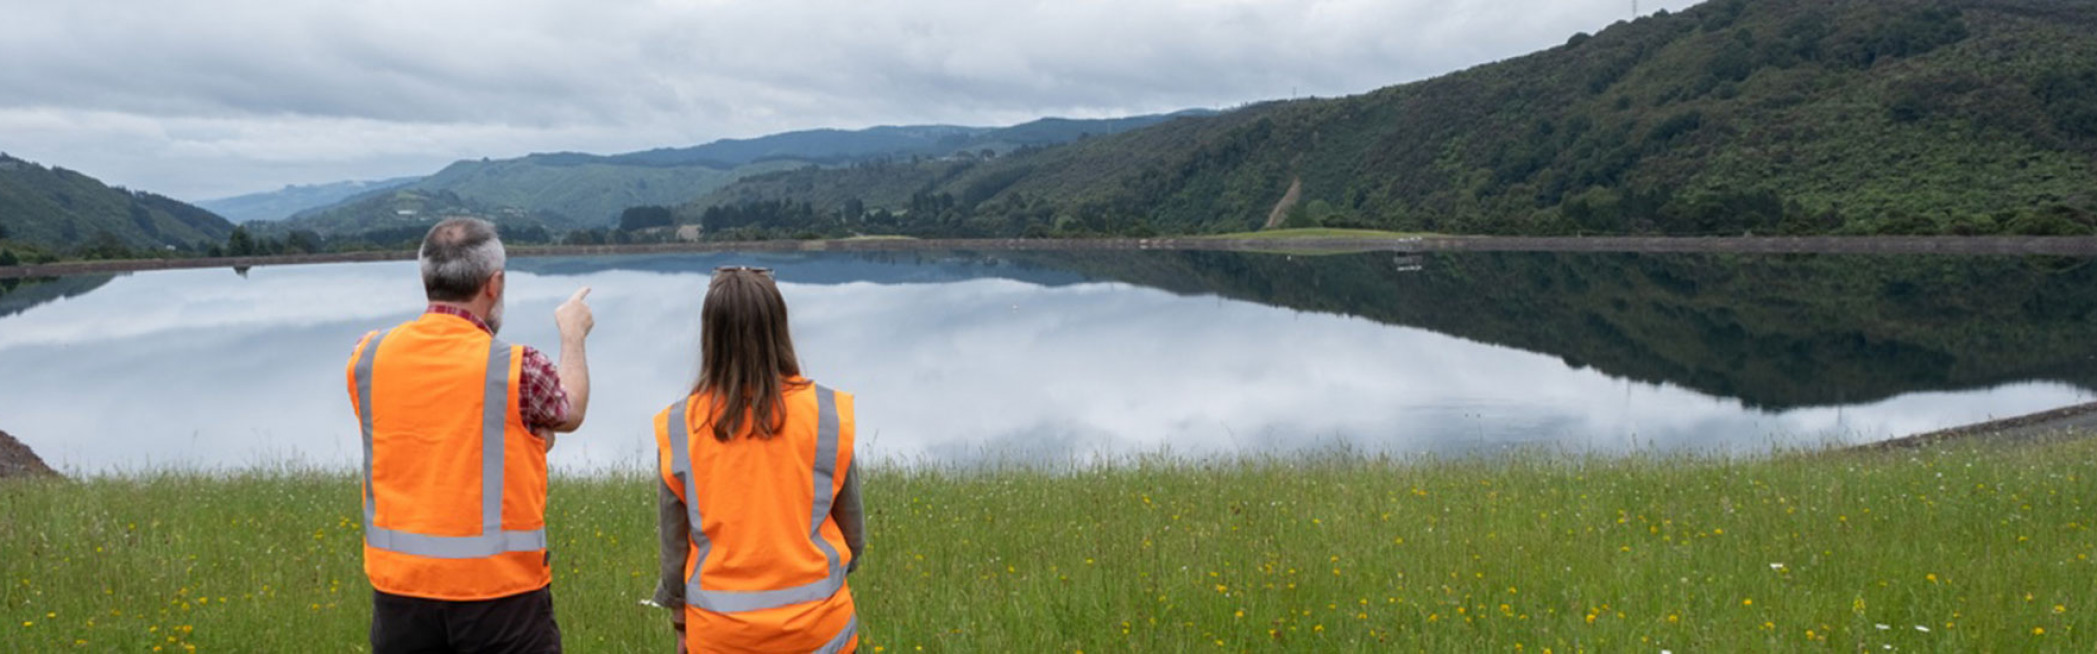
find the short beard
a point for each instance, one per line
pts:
(495, 316)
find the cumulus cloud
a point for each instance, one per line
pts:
(205, 97)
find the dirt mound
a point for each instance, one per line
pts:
(2080, 419)
(16, 460)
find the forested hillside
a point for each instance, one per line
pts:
(1732, 117)
(61, 211)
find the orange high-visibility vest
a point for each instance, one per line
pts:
(766, 572)
(454, 482)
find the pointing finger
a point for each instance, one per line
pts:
(579, 295)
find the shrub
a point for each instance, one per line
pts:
(1973, 225)
(1907, 35)
(1675, 126)
(644, 217)
(2070, 98)
(2058, 221)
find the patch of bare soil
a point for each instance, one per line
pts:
(1288, 202)
(16, 460)
(2078, 420)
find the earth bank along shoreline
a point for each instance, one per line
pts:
(1943, 245)
(17, 460)
(2077, 420)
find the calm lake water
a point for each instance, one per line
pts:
(1074, 357)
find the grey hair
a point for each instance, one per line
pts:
(458, 256)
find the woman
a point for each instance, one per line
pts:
(760, 518)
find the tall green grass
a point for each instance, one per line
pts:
(1961, 548)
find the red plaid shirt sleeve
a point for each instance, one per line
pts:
(543, 403)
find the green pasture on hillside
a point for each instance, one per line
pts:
(1961, 548)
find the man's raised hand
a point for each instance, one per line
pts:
(573, 317)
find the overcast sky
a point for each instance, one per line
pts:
(200, 99)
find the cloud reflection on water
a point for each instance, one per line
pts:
(202, 369)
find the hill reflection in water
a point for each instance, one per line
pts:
(959, 357)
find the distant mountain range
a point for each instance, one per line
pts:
(566, 190)
(284, 202)
(1731, 117)
(62, 210)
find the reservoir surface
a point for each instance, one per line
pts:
(970, 358)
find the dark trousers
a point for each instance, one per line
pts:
(518, 624)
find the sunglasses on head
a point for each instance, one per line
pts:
(755, 269)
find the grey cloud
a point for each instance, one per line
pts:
(194, 97)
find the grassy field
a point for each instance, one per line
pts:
(1965, 547)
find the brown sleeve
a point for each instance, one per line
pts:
(672, 532)
(851, 519)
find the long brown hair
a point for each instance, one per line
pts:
(745, 353)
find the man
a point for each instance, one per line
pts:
(456, 426)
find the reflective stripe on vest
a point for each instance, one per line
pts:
(493, 540)
(731, 601)
(843, 638)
